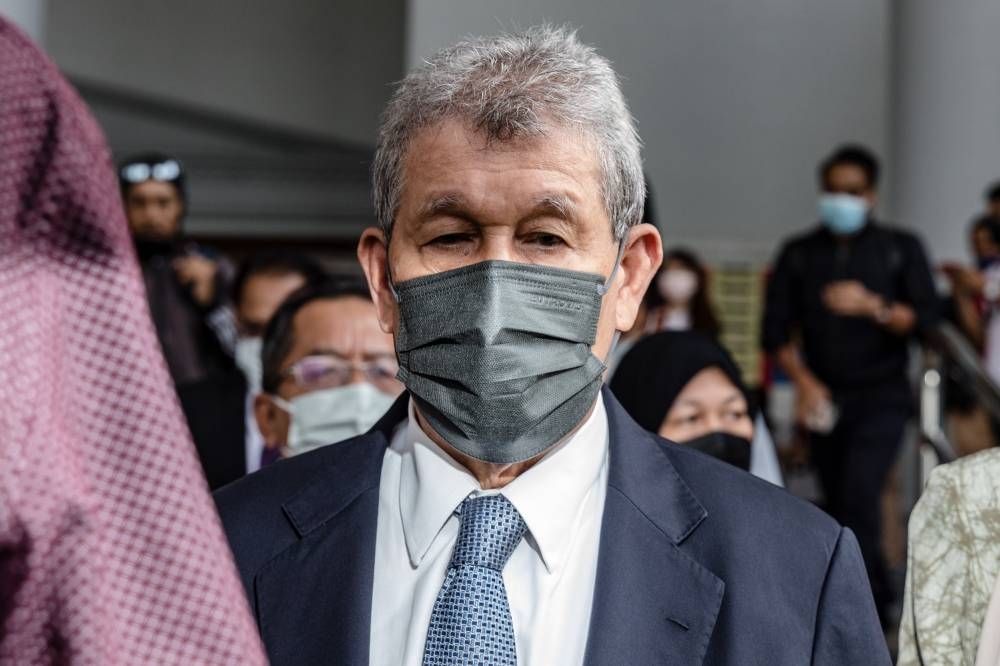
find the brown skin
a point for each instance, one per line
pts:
(967, 285)
(262, 294)
(348, 327)
(464, 202)
(154, 210)
(983, 244)
(847, 298)
(710, 402)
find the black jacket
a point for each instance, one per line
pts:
(215, 409)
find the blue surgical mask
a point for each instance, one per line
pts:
(843, 214)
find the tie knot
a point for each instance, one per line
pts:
(490, 530)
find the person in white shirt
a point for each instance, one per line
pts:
(506, 510)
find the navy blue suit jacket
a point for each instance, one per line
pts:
(699, 563)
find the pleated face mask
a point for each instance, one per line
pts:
(497, 355)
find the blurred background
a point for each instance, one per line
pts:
(273, 107)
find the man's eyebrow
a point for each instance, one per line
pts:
(554, 204)
(325, 351)
(444, 204)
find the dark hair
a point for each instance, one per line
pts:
(853, 155)
(655, 371)
(278, 334)
(993, 192)
(150, 159)
(703, 317)
(277, 263)
(990, 224)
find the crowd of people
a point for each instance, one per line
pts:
(512, 436)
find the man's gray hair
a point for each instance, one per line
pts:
(508, 87)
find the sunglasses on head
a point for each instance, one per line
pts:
(139, 172)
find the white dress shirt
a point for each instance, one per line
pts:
(253, 442)
(549, 577)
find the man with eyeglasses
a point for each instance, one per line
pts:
(186, 285)
(329, 371)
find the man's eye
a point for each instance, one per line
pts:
(449, 240)
(546, 240)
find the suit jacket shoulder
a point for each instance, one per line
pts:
(272, 509)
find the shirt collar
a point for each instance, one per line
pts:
(431, 486)
(549, 496)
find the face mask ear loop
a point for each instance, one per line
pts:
(283, 404)
(603, 289)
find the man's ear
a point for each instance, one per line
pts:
(640, 261)
(272, 421)
(373, 253)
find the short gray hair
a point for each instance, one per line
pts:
(507, 87)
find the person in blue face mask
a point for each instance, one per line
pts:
(843, 303)
(506, 509)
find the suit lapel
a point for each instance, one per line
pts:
(314, 599)
(652, 602)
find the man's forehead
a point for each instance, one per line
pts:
(152, 188)
(342, 325)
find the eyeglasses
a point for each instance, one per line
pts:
(327, 371)
(139, 172)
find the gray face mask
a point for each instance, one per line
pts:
(497, 354)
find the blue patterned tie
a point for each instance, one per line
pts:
(470, 623)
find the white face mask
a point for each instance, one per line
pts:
(247, 357)
(332, 415)
(677, 285)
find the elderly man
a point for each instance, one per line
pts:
(506, 510)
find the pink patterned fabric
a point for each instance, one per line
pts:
(110, 549)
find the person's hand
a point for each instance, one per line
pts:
(813, 397)
(197, 273)
(850, 298)
(963, 279)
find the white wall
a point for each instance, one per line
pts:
(29, 15)
(304, 64)
(947, 129)
(736, 99)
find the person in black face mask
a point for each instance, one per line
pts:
(186, 284)
(685, 387)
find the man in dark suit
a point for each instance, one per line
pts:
(506, 510)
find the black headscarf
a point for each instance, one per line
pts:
(655, 371)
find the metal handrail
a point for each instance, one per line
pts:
(946, 342)
(950, 342)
